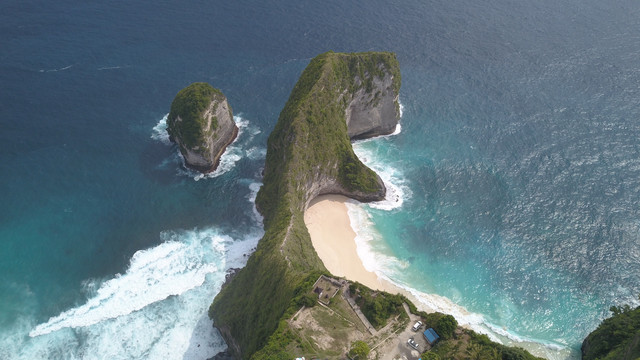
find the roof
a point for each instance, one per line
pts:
(431, 335)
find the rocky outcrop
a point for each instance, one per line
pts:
(373, 112)
(201, 123)
(337, 97)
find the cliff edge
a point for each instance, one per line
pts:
(337, 97)
(201, 123)
(617, 337)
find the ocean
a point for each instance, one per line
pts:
(515, 177)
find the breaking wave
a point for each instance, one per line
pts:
(234, 152)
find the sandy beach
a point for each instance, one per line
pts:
(327, 219)
(334, 240)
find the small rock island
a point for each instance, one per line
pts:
(201, 123)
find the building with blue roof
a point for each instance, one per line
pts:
(431, 336)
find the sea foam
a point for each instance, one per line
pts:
(156, 309)
(391, 174)
(232, 154)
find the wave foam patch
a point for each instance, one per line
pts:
(232, 154)
(368, 242)
(254, 188)
(170, 268)
(159, 131)
(157, 309)
(394, 180)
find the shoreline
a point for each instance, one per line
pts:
(334, 239)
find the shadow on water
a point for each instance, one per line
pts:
(158, 162)
(206, 342)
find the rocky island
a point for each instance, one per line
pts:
(201, 123)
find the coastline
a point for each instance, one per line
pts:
(334, 239)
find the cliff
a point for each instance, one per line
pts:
(617, 337)
(309, 153)
(201, 123)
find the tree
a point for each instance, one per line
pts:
(430, 356)
(474, 351)
(359, 350)
(446, 326)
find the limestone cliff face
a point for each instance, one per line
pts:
(373, 112)
(337, 97)
(201, 123)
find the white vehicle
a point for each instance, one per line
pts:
(412, 343)
(417, 326)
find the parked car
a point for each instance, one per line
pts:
(417, 326)
(412, 343)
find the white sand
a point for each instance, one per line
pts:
(334, 240)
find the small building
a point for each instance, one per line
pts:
(431, 336)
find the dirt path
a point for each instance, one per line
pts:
(396, 347)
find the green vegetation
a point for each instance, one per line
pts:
(445, 327)
(467, 344)
(430, 356)
(459, 343)
(617, 337)
(359, 350)
(377, 306)
(189, 104)
(309, 143)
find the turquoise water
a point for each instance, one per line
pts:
(515, 171)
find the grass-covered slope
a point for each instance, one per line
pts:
(617, 337)
(309, 153)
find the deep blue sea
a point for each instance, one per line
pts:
(516, 174)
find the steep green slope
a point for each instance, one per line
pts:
(617, 337)
(309, 153)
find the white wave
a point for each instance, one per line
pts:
(256, 153)
(255, 187)
(60, 69)
(232, 154)
(157, 309)
(394, 180)
(397, 131)
(369, 241)
(170, 268)
(159, 131)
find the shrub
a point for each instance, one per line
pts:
(359, 350)
(446, 326)
(430, 356)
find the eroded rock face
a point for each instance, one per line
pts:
(375, 111)
(201, 123)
